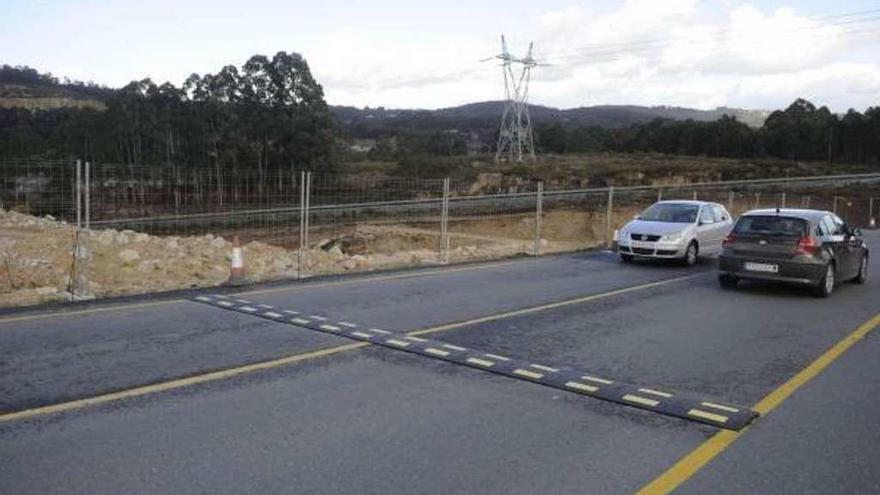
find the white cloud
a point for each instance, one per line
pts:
(642, 52)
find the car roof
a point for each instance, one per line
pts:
(812, 215)
(685, 202)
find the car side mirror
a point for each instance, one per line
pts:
(854, 232)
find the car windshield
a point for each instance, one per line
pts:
(671, 212)
(771, 225)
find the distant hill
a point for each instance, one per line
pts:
(25, 88)
(477, 117)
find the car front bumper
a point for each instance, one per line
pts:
(791, 271)
(661, 250)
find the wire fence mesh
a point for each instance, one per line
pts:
(156, 228)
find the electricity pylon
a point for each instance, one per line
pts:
(515, 139)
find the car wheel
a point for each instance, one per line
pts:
(728, 281)
(690, 256)
(862, 277)
(626, 258)
(826, 285)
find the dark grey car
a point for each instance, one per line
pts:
(808, 247)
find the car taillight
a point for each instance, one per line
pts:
(807, 245)
(729, 240)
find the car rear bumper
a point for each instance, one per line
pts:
(798, 272)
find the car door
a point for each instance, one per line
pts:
(723, 224)
(834, 240)
(851, 247)
(706, 231)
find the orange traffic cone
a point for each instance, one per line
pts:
(236, 271)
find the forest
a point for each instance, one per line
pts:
(270, 114)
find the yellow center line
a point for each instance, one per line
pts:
(174, 384)
(690, 464)
(544, 307)
(217, 375)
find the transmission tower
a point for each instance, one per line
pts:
(515, 138)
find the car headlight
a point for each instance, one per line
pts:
(674, 237)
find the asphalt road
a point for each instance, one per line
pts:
(374, 420)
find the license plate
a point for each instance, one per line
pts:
(761, 267)
(643, 244)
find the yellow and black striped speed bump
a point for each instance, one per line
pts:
(653, 399)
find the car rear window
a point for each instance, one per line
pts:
(771, 225)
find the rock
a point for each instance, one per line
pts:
(349, 264)
(544, 243)
(106, 237)
(147, 266)
(336, 252)
(141, 237)
(46, 291)
(172, 243)
(122, 238)
(218, 243)
(330, 244)
(50, 218)
(128, 256)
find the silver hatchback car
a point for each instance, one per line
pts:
(683, 230)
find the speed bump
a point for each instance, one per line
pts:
(680, 405)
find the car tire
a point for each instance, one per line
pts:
(826, 285)
(862, 277)
(626, 258)
(690, 254)
(728, 281)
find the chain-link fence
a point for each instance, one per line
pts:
(144, 229)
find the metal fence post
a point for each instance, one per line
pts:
(444, 223)
(871, 221)
(659, 194)
(730, 196)
(608, 214)
(78, 194)
(695, 194)
(782, 198)
(539, 206)
(835, 205)
(87, 197)
(302, 224)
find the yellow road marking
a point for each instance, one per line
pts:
(656, 392)
(635, 399)
(527, 374)
(560, 304)
(137, 391)
(688, 465)
(581, 386)
(174, 384)
(697, 413)
(481, 362)
(299, 287)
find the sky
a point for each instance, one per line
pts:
(418, 54)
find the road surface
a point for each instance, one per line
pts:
(167, 395)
